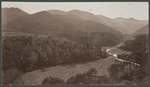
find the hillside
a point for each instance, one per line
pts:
(124, 25)
(143, 30)
(38, 23)
(84, 15)
(110, 22)
(46, 23)
(129, 25)
(8, 14)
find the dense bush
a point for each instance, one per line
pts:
(52, 81)
(121, 75)
(9, 75)
(136, 76)
(140, 43)
(115, 72)
(96, 39)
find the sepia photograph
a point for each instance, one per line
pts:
(75, 43)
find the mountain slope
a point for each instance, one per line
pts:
(38, 23)
(124, 25)
(46, 23)
(129, 25)
(84, 15)
(109, 22)
(9, 14)
(143, 30)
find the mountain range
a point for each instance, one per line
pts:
(56, 21)
(46, 23)
(124, 25)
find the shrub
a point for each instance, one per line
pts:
(91, 71)
(9, 76)
(52, 80)
(115, 71)
(135, 75)
(43, 69)
(88, 77)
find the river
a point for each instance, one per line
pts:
(110, 51)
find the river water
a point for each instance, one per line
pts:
(115, 51)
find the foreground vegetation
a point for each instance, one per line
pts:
(119, 75)
(23, 54)
(29, 53)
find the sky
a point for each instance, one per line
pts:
(137, 10)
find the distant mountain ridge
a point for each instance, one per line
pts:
(130, 25)
(38, 23)
(124, 25)
(84, 15)
(85, 21)
(57, 12)
(46, 23)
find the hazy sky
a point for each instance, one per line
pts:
(137, 10)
